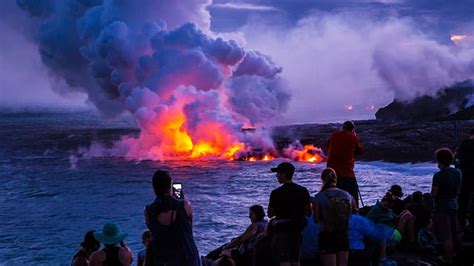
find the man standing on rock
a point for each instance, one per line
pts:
(465, 155)
(343, 145)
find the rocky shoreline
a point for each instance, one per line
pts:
(399, 142)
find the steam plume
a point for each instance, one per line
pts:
(189, 94)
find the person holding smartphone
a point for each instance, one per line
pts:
(169, 219)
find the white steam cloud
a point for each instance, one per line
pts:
(336, 60)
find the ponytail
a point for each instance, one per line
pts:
(329, 178)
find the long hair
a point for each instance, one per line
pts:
(259, 212)
(329, 177)
(161, 182)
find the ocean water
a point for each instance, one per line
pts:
(49, 197)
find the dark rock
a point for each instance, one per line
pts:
(450, 103)
(407, 141)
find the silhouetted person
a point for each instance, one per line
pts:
(146, 238)
(343, 145)
(289, 204)
(115, 251)
(170, 221)
(445, 189)
(465, 155)
(88, 246)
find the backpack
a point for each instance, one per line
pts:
(339, 210)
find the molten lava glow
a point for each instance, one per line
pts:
(171, 136)
(348, 107)
(310, 153)
(457, 38)
(175, 139)
(209, 139)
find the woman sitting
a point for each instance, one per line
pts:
(241, 248)
(115, 251)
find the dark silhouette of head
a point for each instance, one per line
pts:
(258, 211)
(387, 201)
(396, 191)
(90, 242)
(444, 157)
(348, 125)
(417, 196)
(285, 171)
(161, 183)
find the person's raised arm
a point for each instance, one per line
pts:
(125, 254)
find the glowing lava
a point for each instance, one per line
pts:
(457, 38)
(310, 153)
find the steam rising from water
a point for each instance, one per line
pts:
(336, 60)
(190, 94)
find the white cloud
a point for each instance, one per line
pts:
(331, 61)
(245, 6)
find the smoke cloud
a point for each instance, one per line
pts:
(189, 93)
(343, 65)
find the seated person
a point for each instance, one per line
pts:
(146, 238)
(111, 254)
(362, 230)
(416, 207)
(382, 213)
(398, 203)
(241, 248)
(426, 239)
(89, 245)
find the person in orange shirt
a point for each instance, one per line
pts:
(343, 145)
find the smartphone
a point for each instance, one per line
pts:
(178, 190)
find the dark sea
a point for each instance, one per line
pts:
(50, 195)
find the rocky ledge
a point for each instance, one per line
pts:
(409, 141)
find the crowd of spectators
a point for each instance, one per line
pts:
(327, 228)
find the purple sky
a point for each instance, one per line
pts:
(333, 53)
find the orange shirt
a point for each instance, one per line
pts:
(342, 146)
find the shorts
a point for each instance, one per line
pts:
(349, 184)
(286, 246)
(445, 225)
(332, 242)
